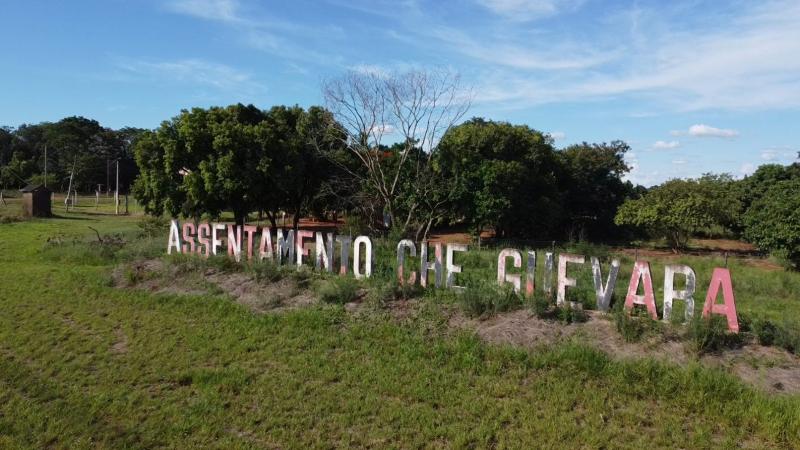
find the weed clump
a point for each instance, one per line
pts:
(770, 333)
(152, 226)
(339, 290)
(635, 325)
(266, 271)
(711, 334)
(544, 307)
(487, 299)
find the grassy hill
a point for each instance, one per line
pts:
(86, 364)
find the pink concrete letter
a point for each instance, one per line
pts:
(721, 277)
(641, 271)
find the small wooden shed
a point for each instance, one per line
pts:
(36, 201)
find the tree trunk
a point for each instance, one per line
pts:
(272, 220)
(295, 220)
(239, 217)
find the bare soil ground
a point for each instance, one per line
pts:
(768, 368)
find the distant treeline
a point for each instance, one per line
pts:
(71, 142)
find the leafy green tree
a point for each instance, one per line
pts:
(674, 210)
(593, 188)
(299, 146)
(238, 158)
(754, 186)
(773, 220)
(202, 162)
(91, 148)
(501, 175)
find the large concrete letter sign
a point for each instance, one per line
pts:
(250, 237)
(401, 260)
(188, 238)
(671, 294)
(174, 237)
(548, 274)
(453, 269)
(203, 231)
(563, 280)
(502, 277)
(641, 271)
(235, 242)
(285, 247)
(324, 255)
(530, 274)
(265, 246)
(216, 242)
(425, 265)
(357, 256)
(722, 277)
(604, 293)
(344, 253)
(300, 250)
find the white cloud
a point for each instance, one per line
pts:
(666, 145)
(751, 50)
(747, 169)
(264, 32)
(221, 10)
(784, 154)
(196, 71)
(524, 10)
(769, 155)
(679, 162)
(701, 130)
(558, 135)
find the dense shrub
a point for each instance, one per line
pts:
(338, 290)
(711, 334)
(488, 299)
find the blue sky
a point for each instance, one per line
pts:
(692, 86)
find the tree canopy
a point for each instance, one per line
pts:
(237, 158)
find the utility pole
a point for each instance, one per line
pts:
(116, 194)
(69, 188)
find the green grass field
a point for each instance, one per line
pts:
(88, 365)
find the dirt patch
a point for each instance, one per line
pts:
(120, 345)
(159, 276)
(768, 368)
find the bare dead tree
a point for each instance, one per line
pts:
(414, 108)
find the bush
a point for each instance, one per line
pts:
(222, 263)
(764, 331)
(544, 307)
(488, 299)
(266, 271)
(772, 222)
(584, 297)
(788, 338)
(338, 290)
(711, 334)
(153, 226)
(634, 326)
(542, 304)
(568, 314)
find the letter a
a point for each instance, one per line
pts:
(174, 240)
(721, 277)
(641, 272)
